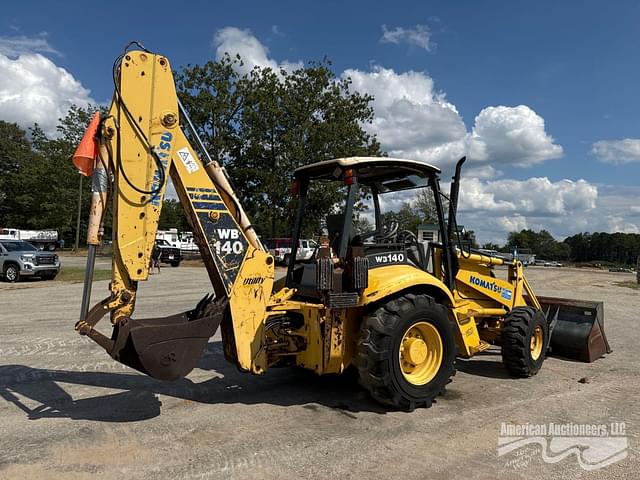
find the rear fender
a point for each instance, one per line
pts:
(392, 280)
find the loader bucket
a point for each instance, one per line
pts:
(577, 328)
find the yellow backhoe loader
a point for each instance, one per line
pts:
(397, 309)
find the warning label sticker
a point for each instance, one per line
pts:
(189, 162)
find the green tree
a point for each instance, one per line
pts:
(541, 243)
(619, 248)
(15, 152)
(419, 210)
(172, 216)
(491, 246)
(264, 124)
(407, 218)
(40, 184)
(425, 205)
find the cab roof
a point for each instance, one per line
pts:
(364, 165)
(383, 173)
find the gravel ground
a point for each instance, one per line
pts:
(69, 412)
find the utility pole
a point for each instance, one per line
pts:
(77, 244)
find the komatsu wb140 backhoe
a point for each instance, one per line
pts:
(397, 309)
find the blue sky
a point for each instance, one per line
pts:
(571, 65)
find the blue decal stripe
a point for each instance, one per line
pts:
(207, 207)
(205, 190)
(204, 197)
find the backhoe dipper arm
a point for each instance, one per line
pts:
(146, 145)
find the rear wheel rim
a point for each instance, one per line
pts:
(421, 353)
(537, 340)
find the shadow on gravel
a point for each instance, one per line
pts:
(39, 393)
(484, 364)
(483, 368)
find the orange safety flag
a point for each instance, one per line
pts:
(87, 152)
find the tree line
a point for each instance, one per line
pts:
(599, 247)
(39, 186)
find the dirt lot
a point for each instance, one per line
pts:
(68, 411)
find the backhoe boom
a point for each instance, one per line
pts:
(142, 144)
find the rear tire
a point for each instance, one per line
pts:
(11, 273)
(385, 337)
(286, 259)
(175, 264)
(524, 339)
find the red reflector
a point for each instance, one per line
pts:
(348, 177)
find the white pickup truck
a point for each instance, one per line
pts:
(41, 239)
(280, 248)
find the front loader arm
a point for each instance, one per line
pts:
(146, 145)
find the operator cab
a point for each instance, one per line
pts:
(373, 219)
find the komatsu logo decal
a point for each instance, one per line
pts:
(165, 144)
(491, 286)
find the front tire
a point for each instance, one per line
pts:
(11, 273)
(524, 339)
(175, 264)
(406, 352)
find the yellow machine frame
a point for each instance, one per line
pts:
(142, 130)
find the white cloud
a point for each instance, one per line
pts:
(537, 197)
(495, 208)
(418, 36)
(234, 41)
(35, 90)
(515, 223)
(15, 46)
(414, 120)
(513, 135)
(617, 152)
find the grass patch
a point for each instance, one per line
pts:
(633, 285)
(76, 274)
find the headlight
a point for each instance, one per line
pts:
(26, 258)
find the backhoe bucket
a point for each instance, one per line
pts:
(577, 328)
(164, 348)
